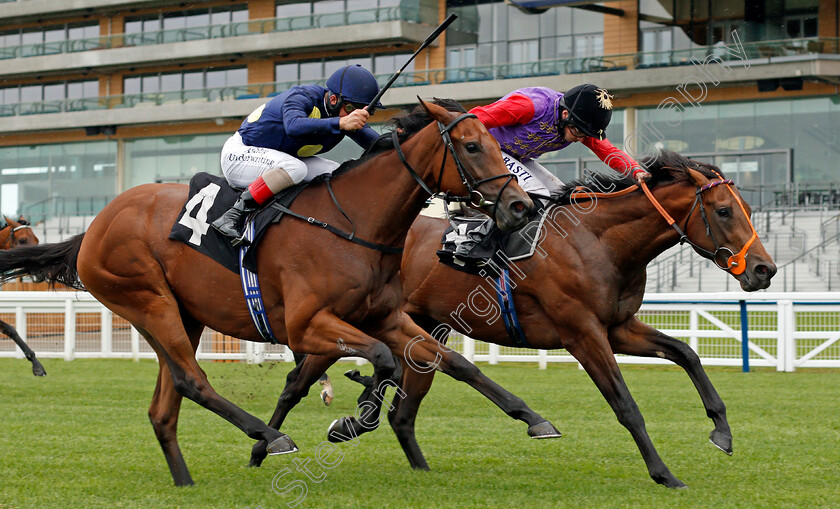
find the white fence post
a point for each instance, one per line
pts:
(494, 353)
(543, 359)
(469, 348)
(693, 326)
(69, 330)
(135, 345)
(106, 321)
(788, 335)
(20, 326)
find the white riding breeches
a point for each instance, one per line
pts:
(242, 164)
(532, 176)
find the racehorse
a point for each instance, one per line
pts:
(581, 290)
(19, 233)
(323, 295)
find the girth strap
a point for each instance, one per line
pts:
(504, 294)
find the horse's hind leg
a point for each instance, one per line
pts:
(37, 368)
(636, 338)
(415, 386)
(596, 357)
(163, 413)
(298, 382)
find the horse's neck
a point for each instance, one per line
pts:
(382, 197)
(640, 232)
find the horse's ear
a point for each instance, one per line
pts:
(436, 112)
(695, 176)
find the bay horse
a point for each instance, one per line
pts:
(322, 294)
(581, 290)
(13, 234)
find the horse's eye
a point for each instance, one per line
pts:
(724, 212)
(472, 147)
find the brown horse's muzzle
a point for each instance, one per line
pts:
(760, 270)
(513, 209)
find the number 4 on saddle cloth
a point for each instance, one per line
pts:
(474, 245)
(209, 197)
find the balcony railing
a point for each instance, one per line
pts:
(437, 76)
(237, 29)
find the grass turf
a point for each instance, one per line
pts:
(81, 438)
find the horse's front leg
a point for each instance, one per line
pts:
(595, 355)
(37, 368)
(298, 382)
(636, 338)
(423, 354)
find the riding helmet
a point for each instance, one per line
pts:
(355, 84)
(590, 109)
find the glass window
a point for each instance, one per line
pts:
(193, 80)
(237, 77)
(170, 82)
(31, 93)
(286, 72)
(32, 37)
(174, 21)
(54, 35)
(327, 6)
(11, 95)
(216, 79)
(239, 15)
(291, 10)
(150, 84)
(54, 92)
(199, 19)
(133, 27)
(90, 88)
(131, 85)
(151, 25)
(311, 71)
(75, 90)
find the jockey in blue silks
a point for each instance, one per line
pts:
(276, 145)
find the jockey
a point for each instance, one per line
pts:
(530, 122)
(276, 144)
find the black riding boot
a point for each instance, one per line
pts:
(232, 222)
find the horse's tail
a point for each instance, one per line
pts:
(53, 263)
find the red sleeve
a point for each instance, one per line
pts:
(516, 109)
(612, 156)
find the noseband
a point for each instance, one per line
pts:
(473, 197)
(11, 240)
(735, 263)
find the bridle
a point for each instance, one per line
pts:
(735, 263)
(474, 196)
(11, 239)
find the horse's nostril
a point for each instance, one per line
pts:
(764, 272)
(519, 209)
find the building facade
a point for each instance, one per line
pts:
(103, 95)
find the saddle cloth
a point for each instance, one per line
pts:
(476, 246)
(210, 196)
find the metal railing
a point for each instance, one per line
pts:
(235, 29)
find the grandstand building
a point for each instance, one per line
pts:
(97, 96)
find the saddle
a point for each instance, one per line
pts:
(476, 246)
(209, 197)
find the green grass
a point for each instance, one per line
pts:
(81, 438)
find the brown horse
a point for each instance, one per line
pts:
(323, 295)
(19, 233)
(581, 290)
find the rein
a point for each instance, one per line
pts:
(473, 197)
(466, 178)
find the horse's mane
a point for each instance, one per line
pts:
(406, 126)
(664, 168)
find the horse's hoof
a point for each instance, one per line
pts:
(38, 369)
(722, 441)
(339, 430)
(544, 430)
(670, 481)
(326, 392)
(282, 445)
